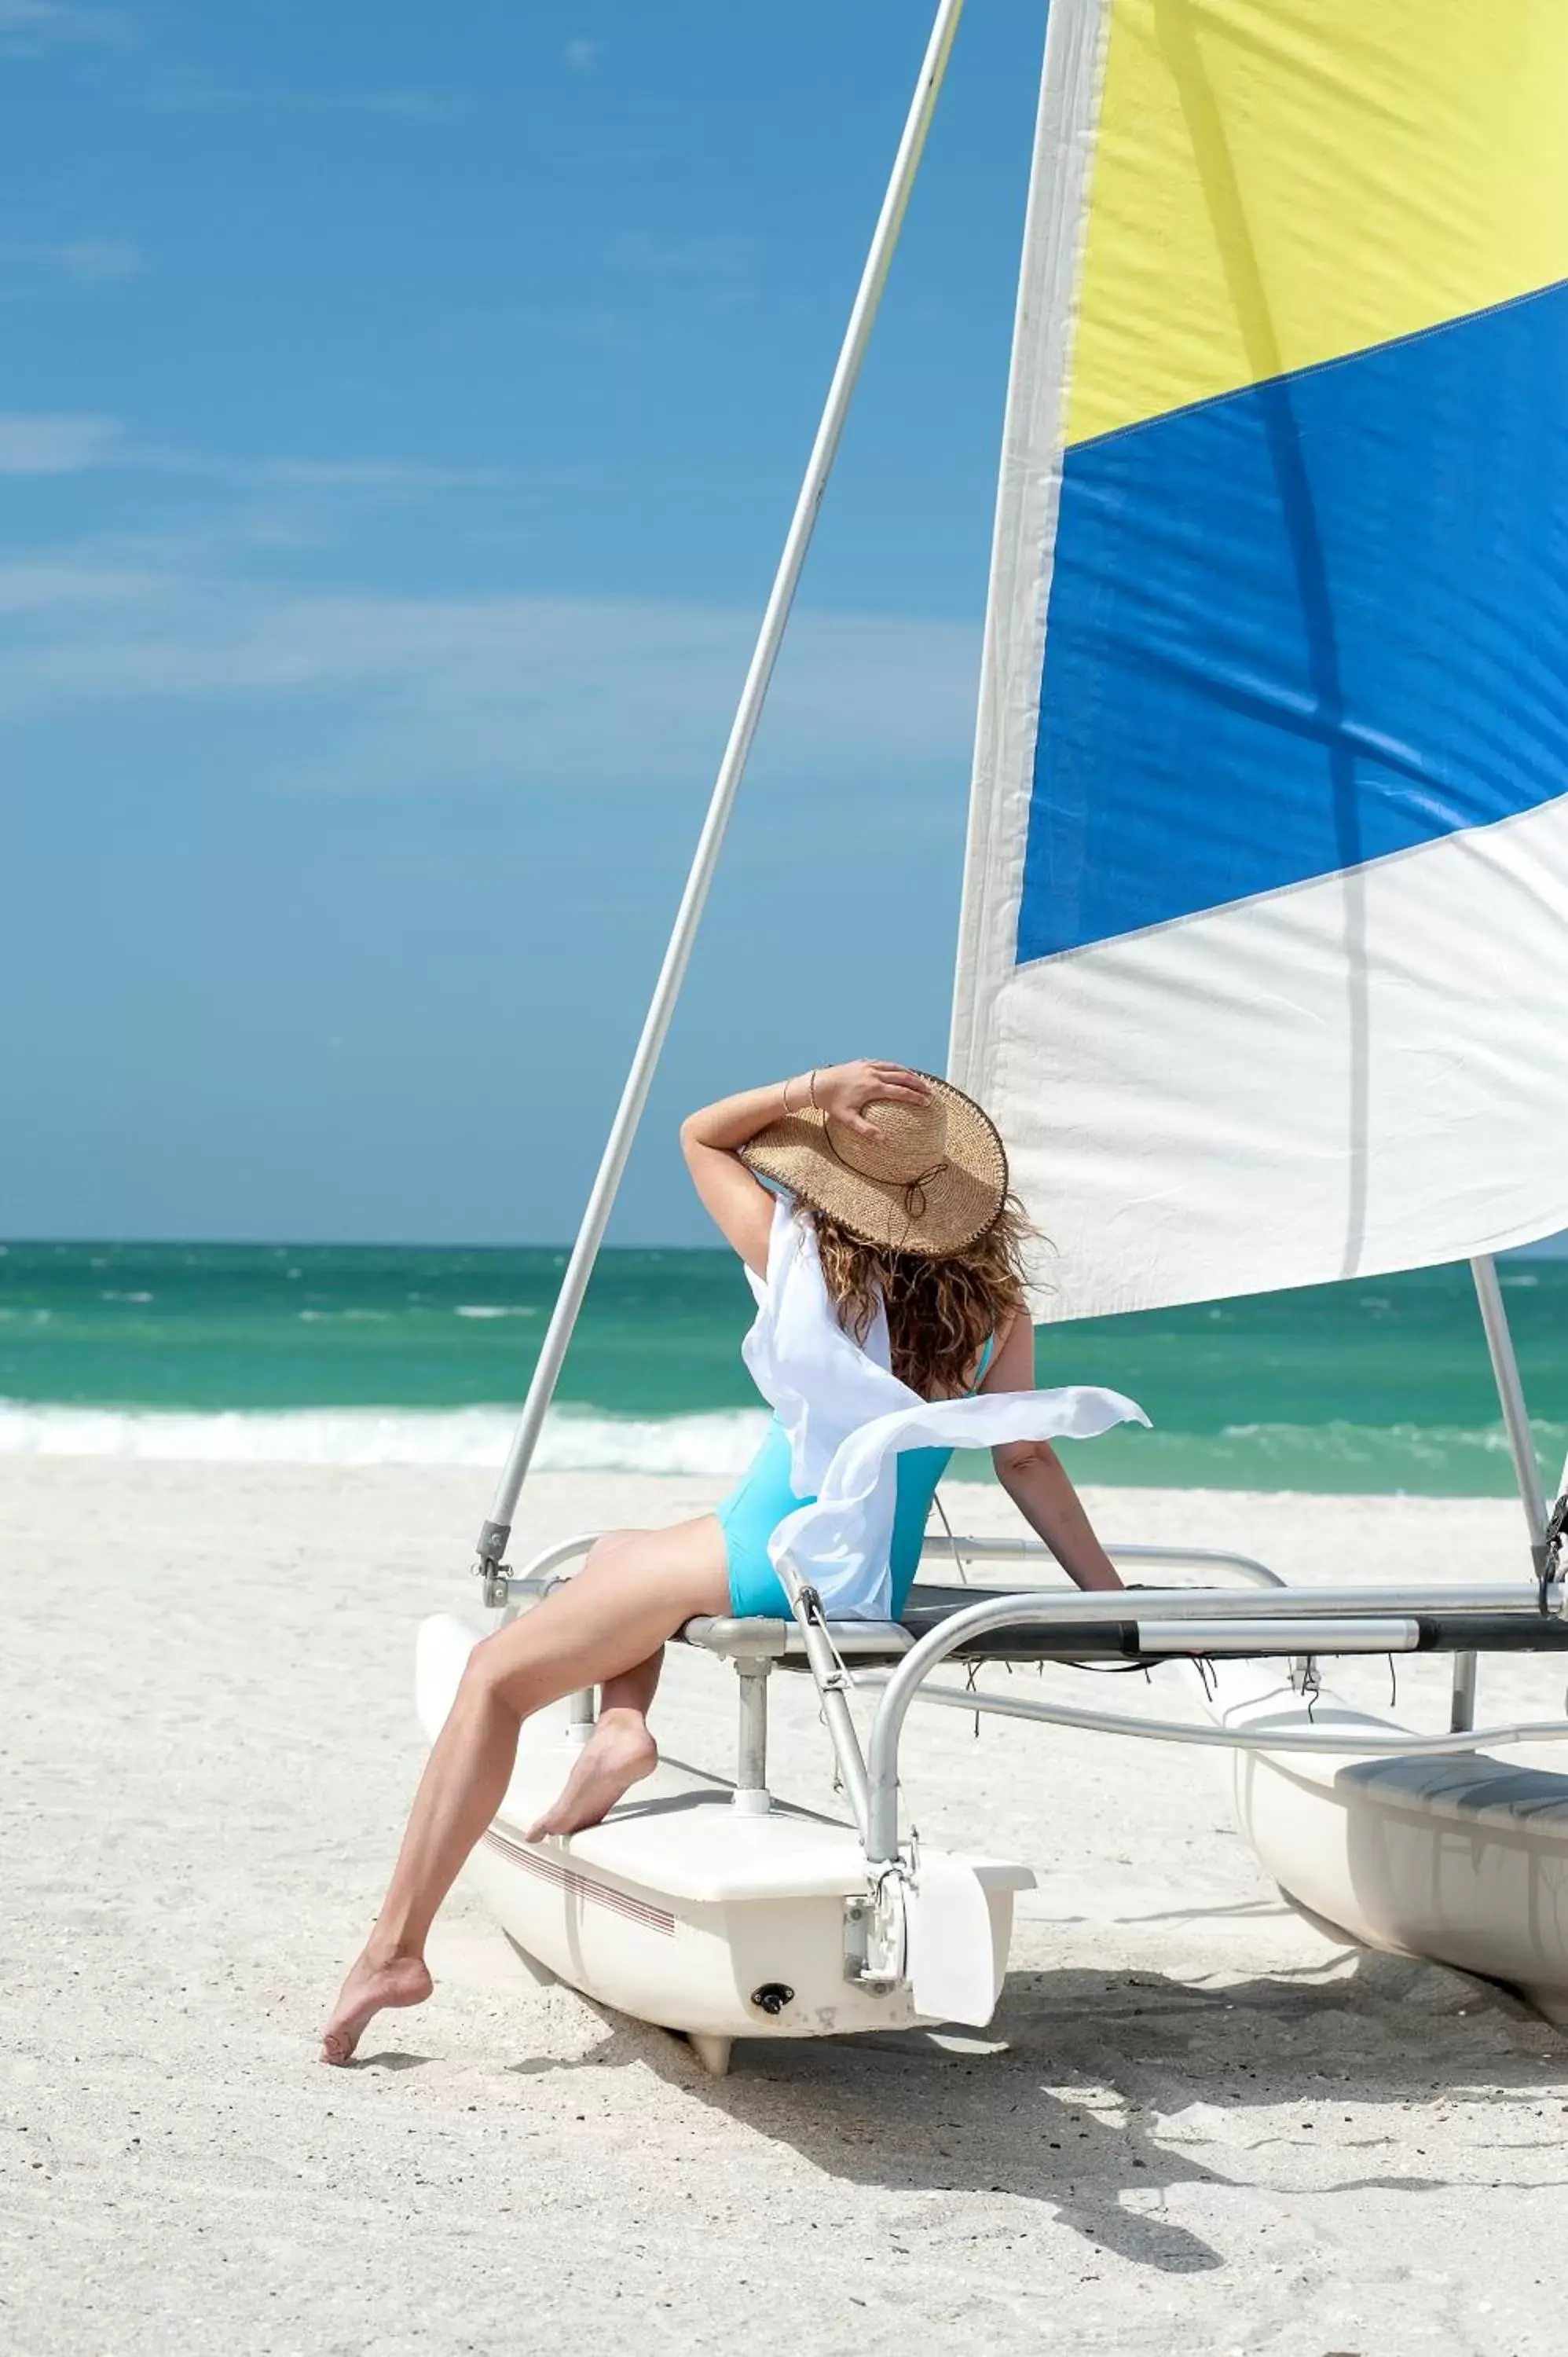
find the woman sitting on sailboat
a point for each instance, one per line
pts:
(885, 1252)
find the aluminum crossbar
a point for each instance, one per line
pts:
(1222, 1603)
(1312, 1633)
(958, 1549)
(1192, 1607)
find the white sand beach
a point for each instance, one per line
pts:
(1195, 2125)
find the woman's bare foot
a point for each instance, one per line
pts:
(618, 1755)
(370, 1985)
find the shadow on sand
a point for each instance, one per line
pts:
(997, 2111)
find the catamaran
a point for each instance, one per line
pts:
(1263, 969)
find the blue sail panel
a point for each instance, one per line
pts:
(1304, 626)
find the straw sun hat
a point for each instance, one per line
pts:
(931, 1180)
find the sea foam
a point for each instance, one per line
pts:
(1336, 1456)
(574, 1440)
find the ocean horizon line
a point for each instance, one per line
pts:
(1552, 1247)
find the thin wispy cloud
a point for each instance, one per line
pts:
(72, 586)
(351, 474)
(414, 692)
(409, 105)
(65, 444)
(91, 260)
(188, 96)
(700, 257)
(28, 26)
(408, 692)
(597, 327)
(96, 260)
(56, 445)
(384, 477)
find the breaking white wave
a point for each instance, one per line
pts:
(574, 1440)
(1336, 1456)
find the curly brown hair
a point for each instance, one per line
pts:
(942, 1312)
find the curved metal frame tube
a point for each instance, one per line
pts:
(1344, 1742)
(509, 1591)
(1175, 1605)
(958, 1549)
(550, 1558)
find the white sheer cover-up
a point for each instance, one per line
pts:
(848, 1418)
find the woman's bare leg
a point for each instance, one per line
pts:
(618, 1754)
(633, 1592)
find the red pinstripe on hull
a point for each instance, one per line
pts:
(581, 1886)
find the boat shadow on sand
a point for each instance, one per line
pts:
(1097, 2092)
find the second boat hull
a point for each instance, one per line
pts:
(1462, 1858)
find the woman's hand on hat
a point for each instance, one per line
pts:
(843, 1090)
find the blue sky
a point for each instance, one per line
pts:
(400, 414)
(401, 411)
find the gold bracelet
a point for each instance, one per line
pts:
(786, 1095)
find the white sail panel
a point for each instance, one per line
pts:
(1263, 961)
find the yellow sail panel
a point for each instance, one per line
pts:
(1277, 183)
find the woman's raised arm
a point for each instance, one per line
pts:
(738, 1204)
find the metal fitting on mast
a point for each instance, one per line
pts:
(491, 1567)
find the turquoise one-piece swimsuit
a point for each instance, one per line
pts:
(755, 1508)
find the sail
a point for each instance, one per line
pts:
(1263, 957)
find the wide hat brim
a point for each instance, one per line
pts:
(945, 1210)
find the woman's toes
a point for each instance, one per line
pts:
(613, 1763)
(369, 1990)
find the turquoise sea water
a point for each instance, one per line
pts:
(358, 1354)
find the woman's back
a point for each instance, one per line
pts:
(754, 1509)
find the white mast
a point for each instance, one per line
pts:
(497, 1530)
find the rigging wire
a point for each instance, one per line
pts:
(952, 1538)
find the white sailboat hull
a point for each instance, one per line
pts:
(682, 1909)
(1463, 1859)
